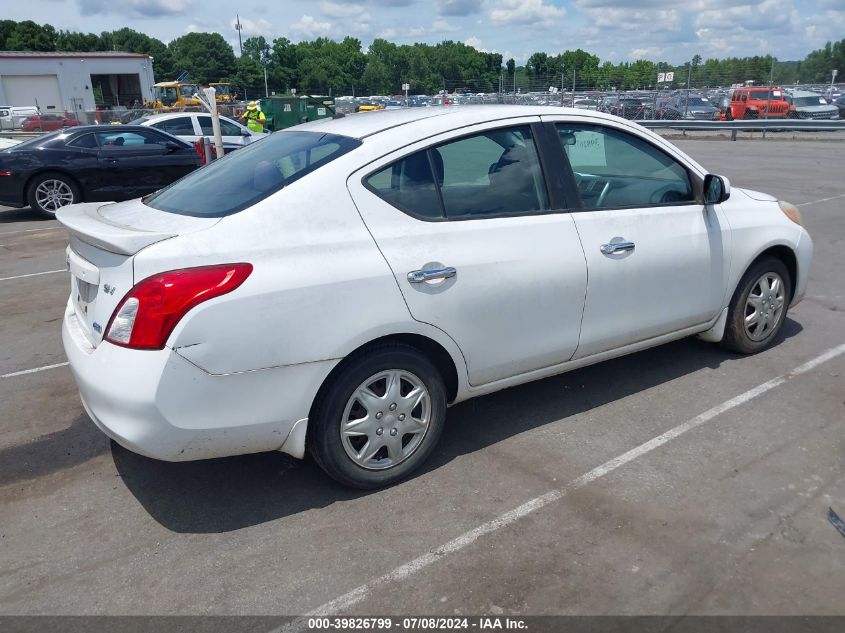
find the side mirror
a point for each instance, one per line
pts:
(246, 132)
(717, 189)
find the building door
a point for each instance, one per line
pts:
(30, 90)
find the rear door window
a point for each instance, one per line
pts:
(226, 128)
(494, 173)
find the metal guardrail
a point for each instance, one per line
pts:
(808, 125)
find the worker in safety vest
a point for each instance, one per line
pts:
(254, 117)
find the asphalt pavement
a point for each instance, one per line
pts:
(679, 480)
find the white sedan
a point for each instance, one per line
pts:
(192, 126)
(335, 287)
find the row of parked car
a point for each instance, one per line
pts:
(740, 103)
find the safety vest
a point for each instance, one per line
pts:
(255, 120)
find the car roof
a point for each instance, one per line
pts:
(805, 93)
(163, 116)
(78, 129)
(362, 125)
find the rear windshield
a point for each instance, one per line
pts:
(249, 175)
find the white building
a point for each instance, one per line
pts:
(75, 82)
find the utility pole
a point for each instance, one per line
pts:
(238, 28)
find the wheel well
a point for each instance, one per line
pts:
(787, 256)
(68, 175)
(433, 350)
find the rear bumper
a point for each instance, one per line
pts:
(158, 404)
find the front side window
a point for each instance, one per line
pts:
(247, 176)
(493, 173)
(616, 169)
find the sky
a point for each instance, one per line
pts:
(615, 30)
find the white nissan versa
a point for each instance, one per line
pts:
(337, 285)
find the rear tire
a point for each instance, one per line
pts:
(367, 429)
(758, 307)
(50, 191)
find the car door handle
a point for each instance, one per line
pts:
(617, 247)
(419, 276)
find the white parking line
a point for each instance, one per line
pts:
(34, 370)
(52, 228)
(467, 538)
(46, 272)
(806, 204)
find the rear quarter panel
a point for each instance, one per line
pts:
(320, 287)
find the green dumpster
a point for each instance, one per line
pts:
(288, 110)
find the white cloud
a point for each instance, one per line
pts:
(436, 30)
(308, 27)
(253, 28)
(475, 43)
(341, 9)
(135, 8)
(533, 12)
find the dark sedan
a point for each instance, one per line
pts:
(91, 163)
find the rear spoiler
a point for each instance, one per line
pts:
(83, 221)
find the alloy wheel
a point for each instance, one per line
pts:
(52, 195)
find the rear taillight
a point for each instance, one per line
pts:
(147, 315)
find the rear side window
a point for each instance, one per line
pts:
(180, 126)
(494, 173)
(249, 175)
(226, 128)
(88, 141)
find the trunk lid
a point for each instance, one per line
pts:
(104, 238)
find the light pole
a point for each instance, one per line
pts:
(833, 74)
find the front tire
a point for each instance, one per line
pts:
(758, 308)
(49, 192)
(379, 418)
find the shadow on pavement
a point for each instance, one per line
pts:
(75, 445)
(227, 494)
(9, 216)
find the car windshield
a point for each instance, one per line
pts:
(249, 175)
(809, 101)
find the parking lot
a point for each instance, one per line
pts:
(679, 480)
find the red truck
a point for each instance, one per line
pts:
(754, 103)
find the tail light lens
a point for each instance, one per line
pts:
(147, 315)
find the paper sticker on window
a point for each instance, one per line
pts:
(588, 149)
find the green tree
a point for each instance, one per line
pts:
(79, 42)
(6, 28)
(29, 36)
(206, 56)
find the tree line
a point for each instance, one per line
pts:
(327, 66)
